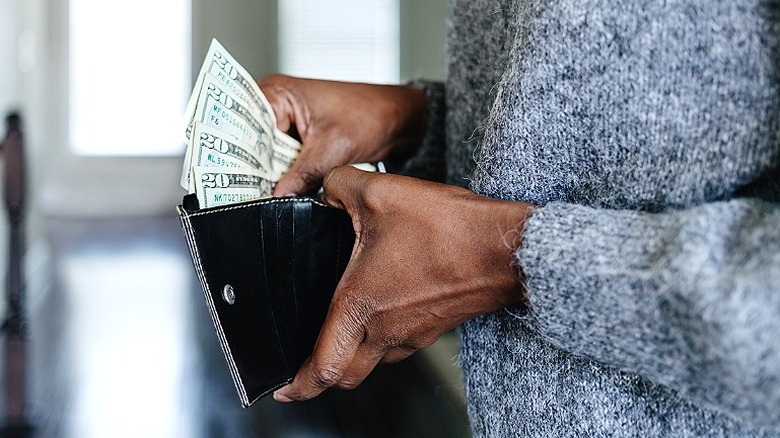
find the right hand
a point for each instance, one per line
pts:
(418, 269)
(342, 123)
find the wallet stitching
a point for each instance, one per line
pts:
(253, 204)
(190, 235)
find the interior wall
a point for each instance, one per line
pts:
(120, 187)
(247, 28)
(7, 56)
(423, 35)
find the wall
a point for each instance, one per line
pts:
(423, 34)
(121, 187)
(247, 28)
(7, 56)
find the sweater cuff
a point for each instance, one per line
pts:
(589, 278)
(428, 160)
(568, 257)
(685, 298)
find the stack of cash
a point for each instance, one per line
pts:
(235, 152)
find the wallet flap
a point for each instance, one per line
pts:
(268, 270)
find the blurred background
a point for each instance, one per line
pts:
(116, 340)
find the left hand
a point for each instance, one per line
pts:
(342, 123)
(427, 257)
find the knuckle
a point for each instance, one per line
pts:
(274, 80)
(374, 192)
(303, 179)
(269, 84)
(420, 342)
(360, 317)
(362, 311)
(349, 384)
(392, 340)
(311, 177)
(372, 186)
(325, 376)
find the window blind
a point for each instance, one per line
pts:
(355, 40)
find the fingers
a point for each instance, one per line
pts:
(292, 111)
(308, 171)
(336, 347)
(277, 90)
(310, 384)
(302, 178)
(397, 354)
(363, 363)
(338, 123)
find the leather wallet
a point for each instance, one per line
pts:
(268, 270)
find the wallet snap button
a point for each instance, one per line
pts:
(228, 294)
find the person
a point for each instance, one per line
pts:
(607, 233)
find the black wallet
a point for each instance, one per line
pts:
(268, 269)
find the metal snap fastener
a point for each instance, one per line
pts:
(228, 294)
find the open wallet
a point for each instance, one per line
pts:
(268, 269)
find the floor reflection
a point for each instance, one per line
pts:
(128, 338)
(122, 346)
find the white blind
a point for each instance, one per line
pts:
(355, 40)
(129, 76)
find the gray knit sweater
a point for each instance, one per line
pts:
(648, 131)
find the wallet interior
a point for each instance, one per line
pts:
(268, 270)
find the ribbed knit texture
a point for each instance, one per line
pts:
(655, 293)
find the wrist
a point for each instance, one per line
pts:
(412, 114)
(502, 227)
(489, 233)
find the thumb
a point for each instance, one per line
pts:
(343, 187)
(318, 156)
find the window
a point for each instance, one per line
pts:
(129, 76)
(354, 40)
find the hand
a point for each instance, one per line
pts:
(427, 257)
(342, 123)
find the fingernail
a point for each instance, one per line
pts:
(281, 397)
(291, 194)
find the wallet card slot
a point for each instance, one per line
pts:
(277, 255)
(302, 279)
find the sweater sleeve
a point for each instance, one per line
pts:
(689, 299)
(428, 160)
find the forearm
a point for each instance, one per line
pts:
(688, 299)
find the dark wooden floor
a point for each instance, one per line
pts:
(121, 345)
